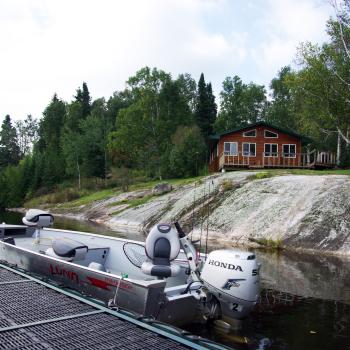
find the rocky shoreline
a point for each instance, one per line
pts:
(293, 212)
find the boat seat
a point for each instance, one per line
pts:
(67, 249)
(162, 246)
(38, 218)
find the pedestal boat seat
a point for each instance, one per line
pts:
(162, 246)
(38, 218)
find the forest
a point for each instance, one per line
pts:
(158, 127)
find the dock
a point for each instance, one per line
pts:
(37, 315)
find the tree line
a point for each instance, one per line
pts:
(160, 126)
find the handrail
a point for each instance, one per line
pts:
(276, 159)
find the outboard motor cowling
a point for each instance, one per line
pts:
(232, 276)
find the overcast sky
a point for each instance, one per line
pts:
(54, 45)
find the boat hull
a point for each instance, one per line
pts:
(145, 298)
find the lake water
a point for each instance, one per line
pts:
(305, 300)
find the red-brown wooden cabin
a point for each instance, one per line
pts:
(262, 145)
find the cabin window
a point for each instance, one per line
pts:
(250, 133)
(249, 149)
(270, 135)
(230, 148)
(289, 151)
(271, 150)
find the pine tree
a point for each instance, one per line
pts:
(213, 108)
(9, 149)
(51, 125)
(206, 109)
(83, 96)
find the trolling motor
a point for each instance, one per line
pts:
(229, 277)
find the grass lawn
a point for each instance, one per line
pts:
(308, 172)
(85, 198)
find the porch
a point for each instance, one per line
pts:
(309, 160)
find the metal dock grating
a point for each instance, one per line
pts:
(34, 315)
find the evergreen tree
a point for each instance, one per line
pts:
(206, 109)
(83, 96)
(51, 164)
(9, 149)
(78, 109)
(213, 108)
(93, 141)
(50, 126)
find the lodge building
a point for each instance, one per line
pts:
(262, 145)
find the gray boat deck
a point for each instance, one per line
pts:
(35, 315)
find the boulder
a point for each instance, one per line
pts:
(161, 188)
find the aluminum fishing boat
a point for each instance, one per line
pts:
(164, 278)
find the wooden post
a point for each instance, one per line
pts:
(263, 160)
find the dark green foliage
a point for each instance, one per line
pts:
(16, 182)
(281, 111)
(52, 169)
(188, 153)
(160, 127)
(48, 153)
(9, 149)
(83, 97)
(188, 90)
(241, 104)
(206, 109)
(93, 141)
(51, 124)
(144, 129)
(320, 91)
(115, 103)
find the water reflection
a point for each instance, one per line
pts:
(304, 303)
(72, 224)
(306, 275)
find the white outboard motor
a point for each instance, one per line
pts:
(232, 276)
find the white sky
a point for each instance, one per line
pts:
(54, 45)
